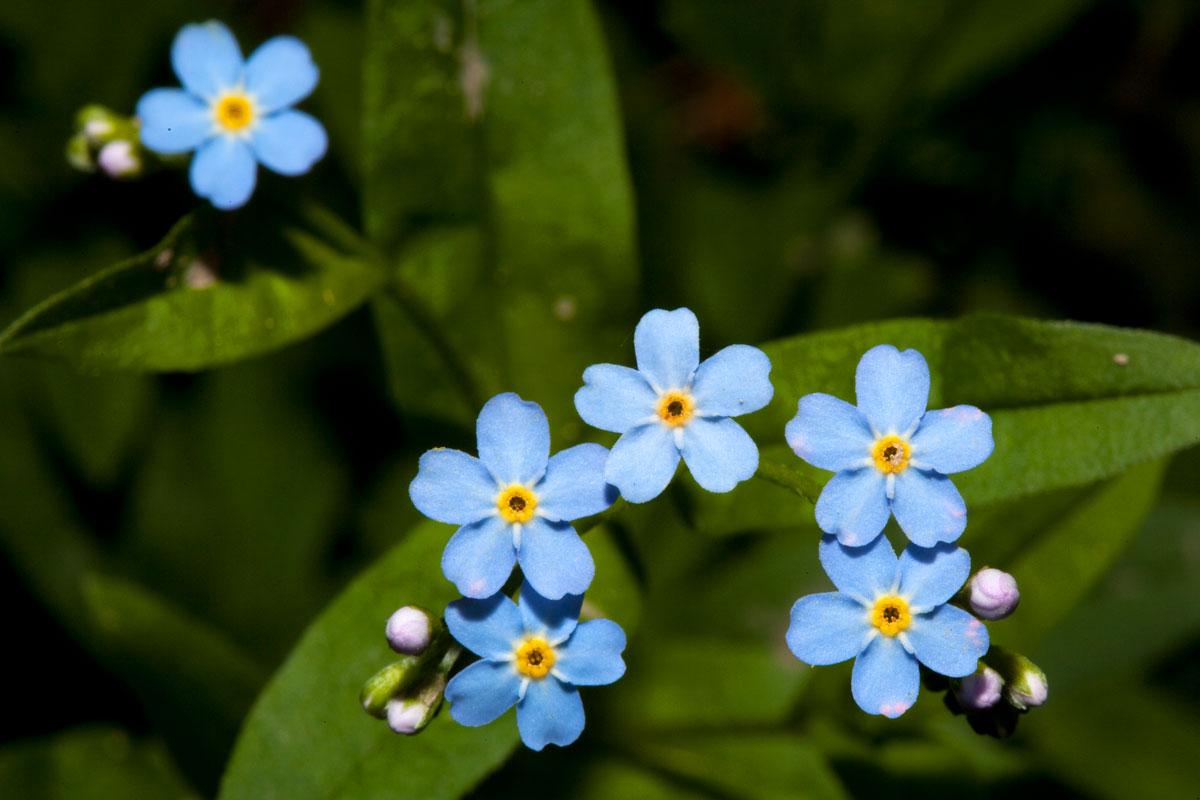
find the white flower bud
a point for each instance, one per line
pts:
(994, 594)
(97, 129)
(980, 690)
(1029, 690)
(406, 716)
(408, 630)
(119, 159)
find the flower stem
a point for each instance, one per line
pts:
(788, 478)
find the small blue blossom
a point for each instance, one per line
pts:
(890, 454)
(534, 655)
(672, 405)
(889, 614)
(514, 503)
(235, 114)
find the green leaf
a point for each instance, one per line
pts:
(89, 763)
(217, 289)
(307, 736)
(1062, 564)
(495, 172)
(194, 684)
(761, 765)
(703, 681)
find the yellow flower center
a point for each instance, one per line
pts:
(234, 112)
(891, 615)
(516, 504)
(891, 454)
(535, 658)
(675, 408)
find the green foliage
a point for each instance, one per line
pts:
(307, 736)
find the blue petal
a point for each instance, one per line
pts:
(452, 486)
(892, 387)
(829, 433)
(514, 439)
(552, 619)
(949, 641)
(929, 576)
(489, 628)
(592, 656)
(854, 506)
(667, 345)
(554, 559)
(734, 381)
(885, 679)
(289, 142)
(207, 59)
(953, 439)
(574, 485)
(280, 72)
(224, 172)
(173, 121)
(482, 692)
(642, 462)
(827, 628)
(861, 572)
(719, 453)
(549, 713)
(928, 507)
(479, 557)
(615, 398)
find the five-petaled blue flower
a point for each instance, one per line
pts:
(533, 656)
(514, 503)
(891, 455)
(234, 114)
(673, 405)
(889, 614)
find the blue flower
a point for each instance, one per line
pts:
(234, 114)
(673, 405)
(889, 614)
(533, 656)
(890, 454)
(514, 503)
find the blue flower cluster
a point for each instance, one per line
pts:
(891, 458)
(515, 502)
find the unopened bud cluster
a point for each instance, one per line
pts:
(106, 141)
(408, 692)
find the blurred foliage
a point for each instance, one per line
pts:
(225, 516)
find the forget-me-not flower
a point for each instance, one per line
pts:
(887, 615)
(235, 114)
(890, 454)
(673, 405)
(514, 503)
(533, 656)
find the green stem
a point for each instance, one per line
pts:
(586, 524)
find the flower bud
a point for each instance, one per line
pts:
(980, 690)
(408, 630)
(383, 687)
(994, 594)
(79, 153)
(120, 159)
(1029, 689)
(409, 714)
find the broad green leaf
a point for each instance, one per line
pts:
(495, 170)
(89, 763)
(217, 289)
(307, 736)
(702, 682)
(1061, 565)
(605, 778)
(1117, 740)
(614, 593)
(194, 684)
(766, 765)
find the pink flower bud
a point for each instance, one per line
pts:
(408, 630)
(119, 159)
(406, 716)
(994, 594)
(980, 690)
(1029, 690)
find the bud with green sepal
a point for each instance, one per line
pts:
(383, 687)
(1025, 684)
